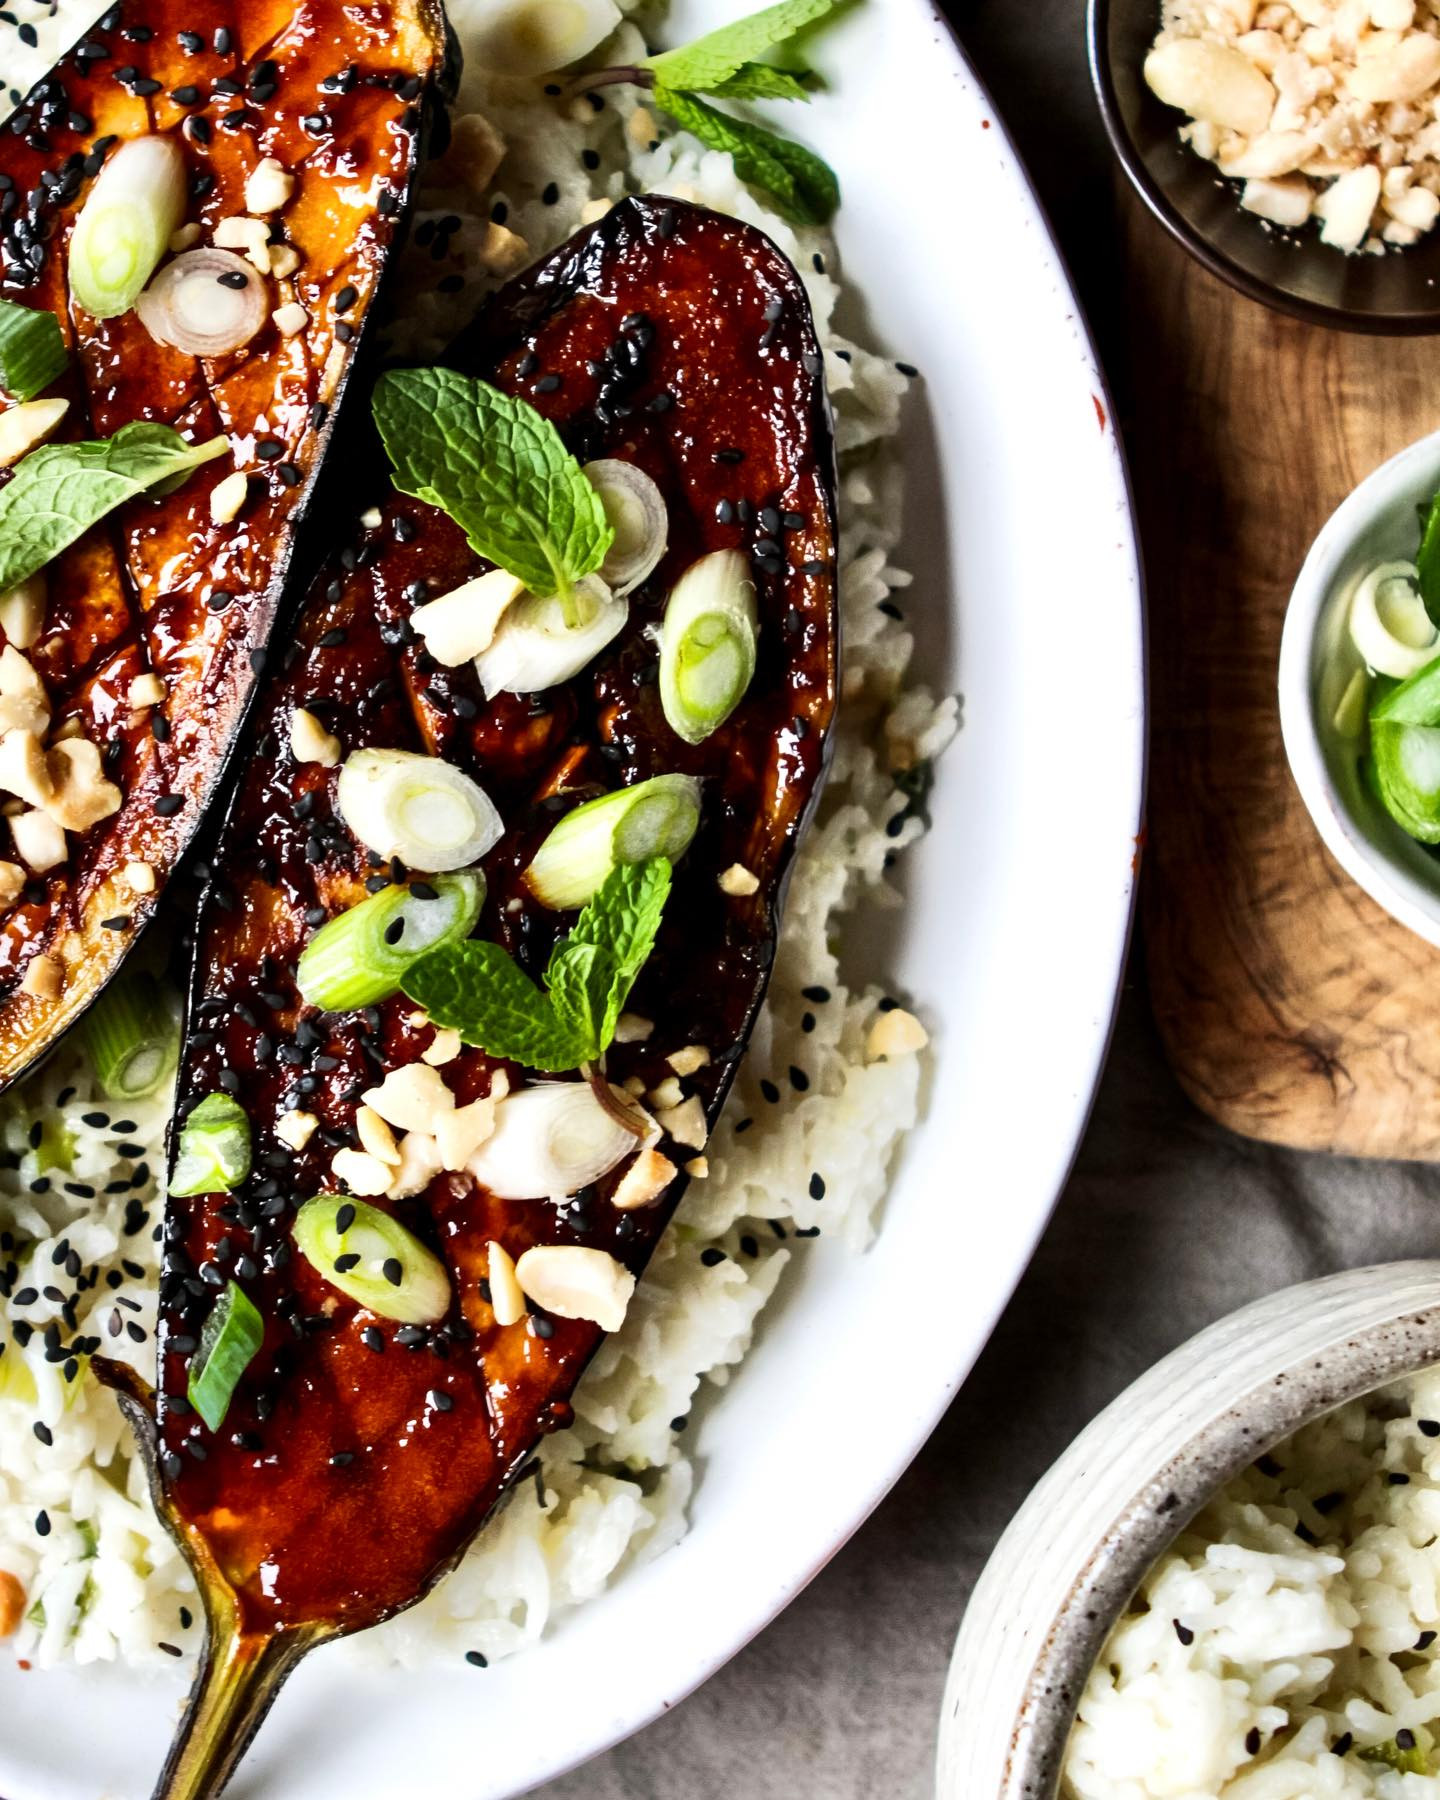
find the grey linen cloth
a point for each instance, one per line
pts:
(1167, 1223)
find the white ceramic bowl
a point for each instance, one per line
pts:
(1080, 1545)
(1375, 524)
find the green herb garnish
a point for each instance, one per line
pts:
(1409, 1759)
(726, 65)
(499, 469)
(214, 1153)
(476, 989)
(229, 1340)
(32, 350)
(59, 491)
(1427, 559)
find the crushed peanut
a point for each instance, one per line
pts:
(290, 318)
(44, 978)
(39, 839)
(630, 1028)
(698, 1167)
(268, 186)
(23, 702)
(507, 1299)
(643, 1182)
(361, 1172)
(12, 880)
(297, 1128)
(376, 1137)
(666, 1093)
(738, 880)
(684, 1123)
(419, 1165)
(461, 1132)
(186, 238)
(23, 427)
(460, 625)
(474, 153)
(444, 1047)
(688, 1060)
(1324, 109)
(284, 260)
(411, 1098)
(146, 690)
(140, 877)
(895, 1032)
(22, 611)
(228, 496)
(80, 795)
(502, 251)
(23, 770)
(310, 742)
(575, 1282)
(250, 235)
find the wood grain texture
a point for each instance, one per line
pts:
(1291, 1007)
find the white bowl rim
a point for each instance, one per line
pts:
(1405, 898)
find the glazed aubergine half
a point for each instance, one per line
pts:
(196, 208)
(492, 914)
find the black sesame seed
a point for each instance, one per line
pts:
(44, 1433)
(42, 1524)
(1252, 1741)
(342, 1459)
(712, 1256)
(817, 1186)
(346, 298)
(769, 1090)
(344, 1218)
(393, 1270)
(440, 1400)
(233, 278)
(167, 805)
(551, 194)
(476, 1660)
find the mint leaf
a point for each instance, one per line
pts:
(802, 187)
(761, 81)
(60, 490)
(701, 67)
(477, 990)
(499, 469)
(1427, 559)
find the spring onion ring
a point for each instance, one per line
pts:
(206, 303)
(361, 956)
(214, 1148)
(229, 1340)
(419, 808)
(707, 644)
(374, 1260)
(126, 224)
(1388, 622)
(535, 649)
(635, 508)
(654, 818)
(132, 1036)
(549, 1141)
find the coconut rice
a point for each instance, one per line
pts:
(1287, 1646)
(830, 1084)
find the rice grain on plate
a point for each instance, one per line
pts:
(1287, 1646)
(804, 1147)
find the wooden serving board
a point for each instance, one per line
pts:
(1291, 1007)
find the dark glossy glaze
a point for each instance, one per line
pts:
(705, 311)
(144, 590)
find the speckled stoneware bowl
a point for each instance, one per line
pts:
(1079, 1546)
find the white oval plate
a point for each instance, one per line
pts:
(1013, 943)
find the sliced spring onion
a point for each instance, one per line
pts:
(17, 1381)
(461, 625)
(536, 37)
(126, 223)
(654, 818)
(132, 1036)
(1388, 622)
(360, 957)
(229, 1341)
(635, 508)
(374, 1260)
(707, 644)
(549, 1140)
(1352, 708)
(214, 1149)
(535, 649)
(423, 810)
(32, 350)
(206, 303)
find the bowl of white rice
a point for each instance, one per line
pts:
(1228, 1588)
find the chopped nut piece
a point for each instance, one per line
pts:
(1403, 71)
(459, 1134)
(39, 840)
(698, 1168)
(146, 690)
(23, 769)
(80, 794)
(361, 1173)
(684, 1123)
(23, 427)
(895, 1032)
(12, 880)
(1211, 81)
(640, 127)
(297, 1128)
(290, 318)
(419, 1165)
(186, 238)
(22, 611)
(634, 1086)
(667, 1092)
(228, 496)
(507, 1300)
(474, 153)
(461, 624)
(250, 235)
(284, 260)
(1286, 203)
(688, 1060)
(310, 742)
(372, 518)
(444, 1047)
(140, 877)
(630, 1028)
(23, 702)
(412, 1098)
(738, 880)
(12, 1603)
(376, 1137)
(268, 187)
(593, 211)
(643, 1182)
(44, 977)
(502, 251)
(575, 1282)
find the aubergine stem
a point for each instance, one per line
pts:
(239, 1678)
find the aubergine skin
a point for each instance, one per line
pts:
(337, 1491)
(146, 590)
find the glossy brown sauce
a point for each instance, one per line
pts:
(146, 589)
(338, 1487)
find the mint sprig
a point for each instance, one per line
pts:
(802, 185)
(59, 491)
(706, 65)
(501, 472)
(476, 989)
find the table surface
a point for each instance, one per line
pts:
(1167, 1223)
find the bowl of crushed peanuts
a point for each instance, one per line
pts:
(1293, 146)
